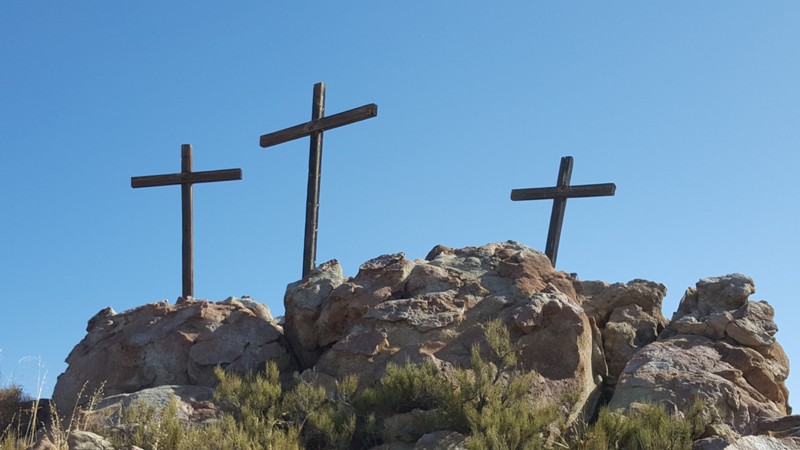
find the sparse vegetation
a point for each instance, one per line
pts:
(647, 427)
(494, 395)
(17, 421)
(488, 402)
(10, 398)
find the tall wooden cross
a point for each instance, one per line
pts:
(186, 178)
(560, 193)
(318, 124)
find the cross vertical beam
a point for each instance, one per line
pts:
(186, 178)
(560, 193)
(315, 128)
(187, 227)
(314, 178)
(559, 208)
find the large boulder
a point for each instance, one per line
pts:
(162, 344)
(85, 440)
(628, 316)
(193, 404)
(763, 443)
(303, 302)
(719, 348)
(436, 309)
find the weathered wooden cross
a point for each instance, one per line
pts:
(315, 128)
(186, 178)
(560, 193)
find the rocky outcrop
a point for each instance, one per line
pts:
(719, 348)
(303, 303)
(628, 316)
(193, 404)
(435, 309)
(586, 341)
(161, 344)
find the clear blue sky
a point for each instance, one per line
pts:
(691, 108)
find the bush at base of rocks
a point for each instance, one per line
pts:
(414, 405)
(645, 427)
(482, 407)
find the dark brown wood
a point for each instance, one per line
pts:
(187, 228)
(559, 208)
(186, 178)
(584, 190)
(315, 128)
(560, 193)
(322, 124)
(314, 176)
(191, 178)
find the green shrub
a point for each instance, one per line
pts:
(248, 395)
(646, 427)
(303, 416)
(489, 402)
(406, 387)
(324, 422)
(494, 398)
(145, 426)
(253, 414)
(250, 419)
(227, 433)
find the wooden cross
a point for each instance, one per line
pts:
(186, 178)
(560, 193)
(318, 124)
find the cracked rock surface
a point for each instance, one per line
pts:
(161, 344)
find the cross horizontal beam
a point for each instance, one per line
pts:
(585, 190)
(323, 124)
(186, 178)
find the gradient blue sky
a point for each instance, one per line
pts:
(691, 108)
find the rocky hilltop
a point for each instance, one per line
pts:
(590, 341)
